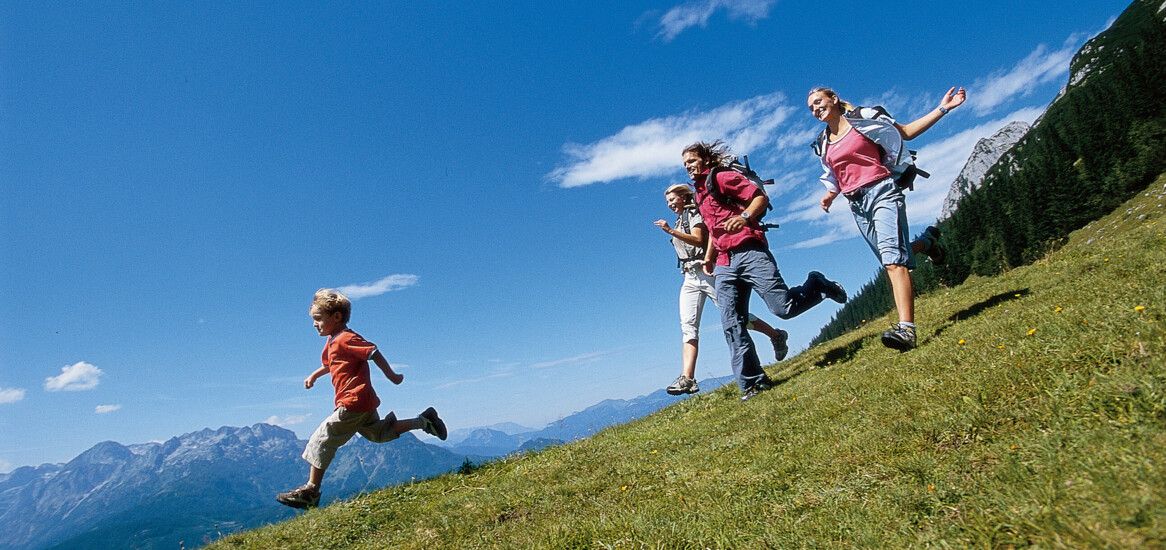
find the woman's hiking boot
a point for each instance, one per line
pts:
(900, 337)
(304, 496)
(682, 385)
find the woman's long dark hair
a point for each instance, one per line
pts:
(713, 154)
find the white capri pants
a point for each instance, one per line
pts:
(696, 287)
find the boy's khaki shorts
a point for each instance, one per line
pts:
(340, 426)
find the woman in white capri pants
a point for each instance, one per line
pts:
(689, 238)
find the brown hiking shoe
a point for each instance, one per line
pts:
(304, 496)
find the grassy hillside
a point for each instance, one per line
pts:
(1033, 413)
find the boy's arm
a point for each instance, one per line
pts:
(311, 379)
(383, 363)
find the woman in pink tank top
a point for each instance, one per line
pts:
(859, 156)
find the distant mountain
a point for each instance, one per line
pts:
(538, 444)
(615, 411)
(190, 489)
(488, 442)
(456, 436)
(984, 155)
(492, 442)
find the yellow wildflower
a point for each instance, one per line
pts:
(962, 341)
(1139, 309)
(1058, 309)
(1031, 331)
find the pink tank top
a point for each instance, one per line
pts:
(855, 161)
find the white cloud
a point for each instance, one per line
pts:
(76, 377)
(652, 148)
(581, 359)
(285, 421)
(106, 409)
(477, 380)
(376, 288)
(1039, 67)
(697, 13)
(11, 395)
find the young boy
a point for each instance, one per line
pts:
(345, 357)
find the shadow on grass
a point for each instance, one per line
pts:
(978, 308)
(839, 354)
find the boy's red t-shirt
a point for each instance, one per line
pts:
(346, 356)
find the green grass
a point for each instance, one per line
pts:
(1032, 414)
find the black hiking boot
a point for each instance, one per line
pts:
(831, 289)
(434, 425)
(932, 249)
(761, 385)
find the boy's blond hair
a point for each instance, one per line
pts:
(330, 300)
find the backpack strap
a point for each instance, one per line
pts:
(714, 189)
(683, 222)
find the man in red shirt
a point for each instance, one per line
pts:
(743, 263)
(345, 358)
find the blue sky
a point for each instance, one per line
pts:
(179, 178)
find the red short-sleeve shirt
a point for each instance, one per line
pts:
(741, 190)
(346, 356)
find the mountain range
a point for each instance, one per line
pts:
(199, 486)
(984, 155)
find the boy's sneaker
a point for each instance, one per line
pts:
(682, 385)
(434, 425)
(301, 497)
(900, 337)
(933, 250)
(831, 289)
(780, 344)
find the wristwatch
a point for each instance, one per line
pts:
(745, 214)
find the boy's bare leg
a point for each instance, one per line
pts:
(315, 476)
